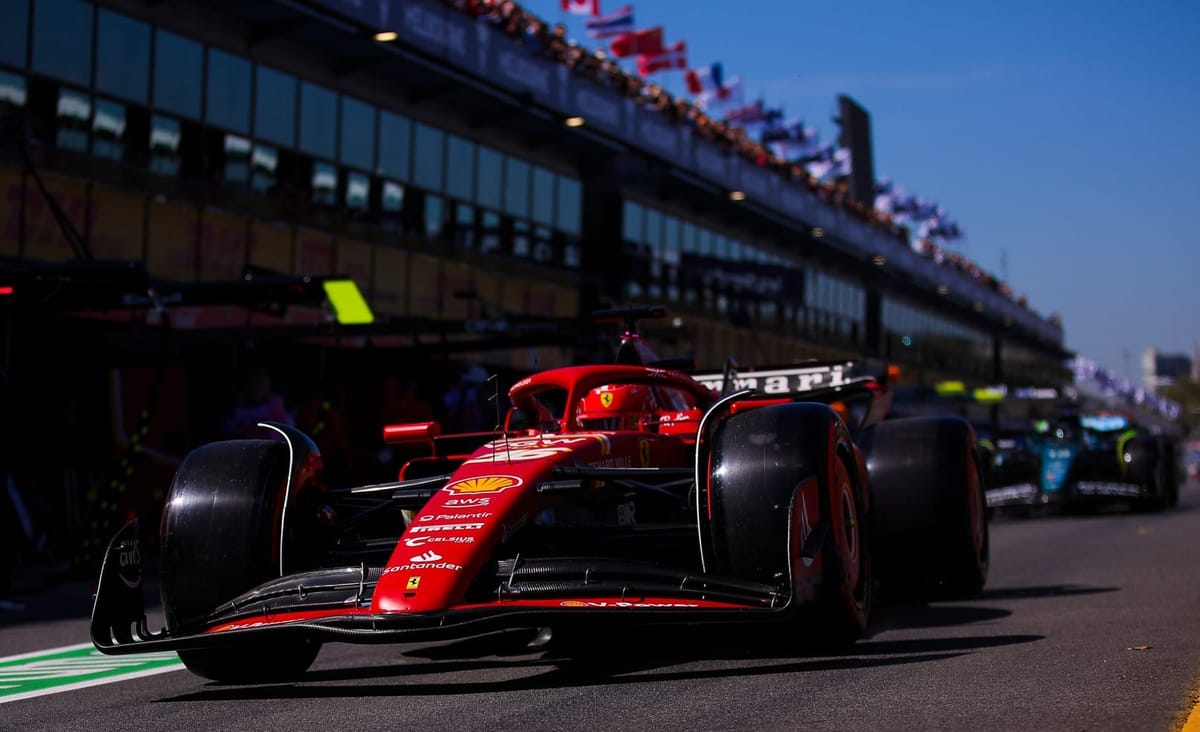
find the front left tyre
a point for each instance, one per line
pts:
(238, 513)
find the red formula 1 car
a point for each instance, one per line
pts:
(613, 494)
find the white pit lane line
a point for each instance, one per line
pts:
(80, 666)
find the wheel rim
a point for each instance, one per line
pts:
(975, 507)
(846, 525)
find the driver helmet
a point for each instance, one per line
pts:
(616, 407)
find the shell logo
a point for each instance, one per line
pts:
(606, 399)
(572, 603)
(484, 484)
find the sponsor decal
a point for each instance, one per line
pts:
(483, 484)
(444, 527)
(623, 461)
(606, 399)
(467, 502)
(511, 529)
(423, 566)
(517, 455)
(623, 604)
(1021, 492)
(428, 556)
(129, 564)
(781, 381)
(245, 626)
(454, 516)
(545, 441)
(1100, 488)
(415, 541)
(537, 448)
(413, 582)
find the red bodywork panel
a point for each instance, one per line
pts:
(491, 496)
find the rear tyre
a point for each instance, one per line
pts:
(232, 521)
(931, 527)
(778, 475)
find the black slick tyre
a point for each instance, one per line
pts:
(930, 518)
(232, 521)
(784, 478)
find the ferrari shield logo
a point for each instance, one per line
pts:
(484, 484)
(606, 399)
(413, 583)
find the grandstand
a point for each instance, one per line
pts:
(208, 138)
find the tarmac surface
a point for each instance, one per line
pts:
(1087, 622)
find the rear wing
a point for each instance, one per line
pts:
(816, 376)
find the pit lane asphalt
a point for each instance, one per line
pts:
(1089, 622)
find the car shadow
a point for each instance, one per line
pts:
(555, 674)
(1041, 591)
(901, 613)
(660, 655)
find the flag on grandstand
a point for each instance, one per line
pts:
(707, 79)
(755, 113)
(791, 140)
(611, 25)
(890, 199)
(940, 226)
(729, 93)
(673, 58)
(904, 207)
(581, 7)
(919, 209)
(833, 163)
(638, 43)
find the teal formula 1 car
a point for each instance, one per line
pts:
(1075, 460)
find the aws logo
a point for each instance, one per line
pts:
(484, 484)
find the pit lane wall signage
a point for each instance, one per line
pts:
(75, 667)
(462, 42)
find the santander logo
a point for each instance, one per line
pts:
(429, 556)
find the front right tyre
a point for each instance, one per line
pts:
(788, 506)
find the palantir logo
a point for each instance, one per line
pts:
(429, 556)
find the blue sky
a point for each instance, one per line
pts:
(1062, 136)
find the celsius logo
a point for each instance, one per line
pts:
(429, 556)
(423, 540)
(484, 484)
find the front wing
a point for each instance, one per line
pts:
(334, 605)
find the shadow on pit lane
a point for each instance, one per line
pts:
(895, 616)
(913, 614)
(1026, 593)
(710, 657)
